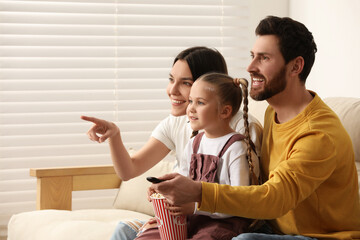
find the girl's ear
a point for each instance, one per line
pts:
(226, 112)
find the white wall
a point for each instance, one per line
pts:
(259, 9)
(335, 26)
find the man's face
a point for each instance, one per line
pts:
(267, 68)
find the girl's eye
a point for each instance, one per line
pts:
(200, 103)
(190, 101)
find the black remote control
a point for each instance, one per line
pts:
(154, 180)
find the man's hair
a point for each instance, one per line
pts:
(294, 40)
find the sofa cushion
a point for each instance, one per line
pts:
(348, 110)
(66, 225)
(257, 109)
(132, 194)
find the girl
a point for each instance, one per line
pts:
(174, 131)
(218, 154)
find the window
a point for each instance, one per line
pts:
(105, 58)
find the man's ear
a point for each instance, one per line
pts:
(297, 65)
(226, 111)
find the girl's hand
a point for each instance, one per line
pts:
(186, 209)
(151, 223)
(104, 128)
(150, 191)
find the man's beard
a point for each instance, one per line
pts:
(271, 88)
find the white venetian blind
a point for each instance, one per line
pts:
(60, 59)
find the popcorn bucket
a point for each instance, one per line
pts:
(170, 227)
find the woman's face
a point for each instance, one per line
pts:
(178, 89)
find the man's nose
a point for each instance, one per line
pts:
(252, 67)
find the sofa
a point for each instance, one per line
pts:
(54, 219)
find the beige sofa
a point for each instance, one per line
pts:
(55, 187)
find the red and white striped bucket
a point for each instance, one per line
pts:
(170, 227)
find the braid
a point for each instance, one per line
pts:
(194, 133)
(244, 84)
(244, 87)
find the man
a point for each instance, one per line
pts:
(310, 187)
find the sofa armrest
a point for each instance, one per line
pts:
(55, 185)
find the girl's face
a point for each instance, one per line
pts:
(178, 89)
(203, 109)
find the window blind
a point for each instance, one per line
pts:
(110, 59)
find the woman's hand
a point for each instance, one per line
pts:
(104, 128)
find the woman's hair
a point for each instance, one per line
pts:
(230, 92)
(294, 40)
(202, 60)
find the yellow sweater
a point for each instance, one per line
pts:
(311, 184)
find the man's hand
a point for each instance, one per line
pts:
(177, 189)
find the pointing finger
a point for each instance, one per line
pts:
(91, 119)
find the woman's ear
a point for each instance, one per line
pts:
(226, 111)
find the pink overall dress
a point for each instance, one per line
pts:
(204, 168)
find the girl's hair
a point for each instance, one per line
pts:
(230, 92)
(226, 89)
(202, 60)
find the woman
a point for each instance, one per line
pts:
(173, 132)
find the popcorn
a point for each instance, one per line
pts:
(157, 195)
(171, 227)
